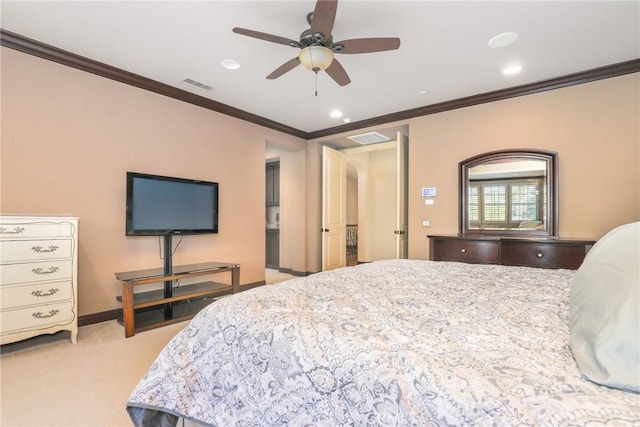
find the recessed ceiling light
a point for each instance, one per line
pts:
(503, 39)
(335, 114)
(423, 92)
(511, 69)
(230, 64)
(346, 120)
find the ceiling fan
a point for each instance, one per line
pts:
(317, 45)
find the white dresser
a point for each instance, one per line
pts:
(38, 276)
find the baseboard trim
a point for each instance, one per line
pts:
(105, 316)
(248, 286)
(294, 272)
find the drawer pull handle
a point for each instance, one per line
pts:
(40, 249)
(16, 230)
(540, 255)
(40, 293)
(463, 250)
(39, 314)
(40, 270)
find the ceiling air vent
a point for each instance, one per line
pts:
(369, 138)
(197, 84)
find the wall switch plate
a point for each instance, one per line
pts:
(425, 223)
(429, 201)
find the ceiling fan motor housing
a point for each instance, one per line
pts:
(308, 38)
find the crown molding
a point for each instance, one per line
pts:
(33, 47)
(51, 53)
(619, 69)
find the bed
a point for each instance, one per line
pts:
(396, 342)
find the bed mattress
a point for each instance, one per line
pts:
(398, 342)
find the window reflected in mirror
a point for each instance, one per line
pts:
(508, 195)
(509, 192)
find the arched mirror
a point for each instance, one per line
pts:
(509, 192)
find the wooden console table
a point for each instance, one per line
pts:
(182, 295)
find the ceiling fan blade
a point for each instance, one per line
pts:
(324, 16)
(376, 44)
(265, 36)
(287, 66)
(337, 73)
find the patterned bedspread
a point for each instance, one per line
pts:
(399, 342)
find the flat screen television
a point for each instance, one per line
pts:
(164, 206)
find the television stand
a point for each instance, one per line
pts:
(176, 301)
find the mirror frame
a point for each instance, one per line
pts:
(549, 157)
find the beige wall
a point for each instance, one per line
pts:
(352, 196)
(593, 127)
(68, 137)
(314, 206)
(293, 212)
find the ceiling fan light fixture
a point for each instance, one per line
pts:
(316, 58)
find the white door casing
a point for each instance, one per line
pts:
(402, 159)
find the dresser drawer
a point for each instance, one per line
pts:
(37, 316)
(43, 293)
(34, 250)
(466, 251)
(28, 229)
(543, 255)
(32, 272)
(38, 276)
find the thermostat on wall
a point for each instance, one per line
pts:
(428, 191)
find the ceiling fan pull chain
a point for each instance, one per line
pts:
(316, 83)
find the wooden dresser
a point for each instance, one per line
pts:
(38, 276)
(527, 252)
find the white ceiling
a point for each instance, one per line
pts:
(443, 52)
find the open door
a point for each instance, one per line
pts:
(334, 209)
(402, 216)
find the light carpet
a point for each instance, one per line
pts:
(47, 381)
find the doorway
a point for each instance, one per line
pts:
(272, 215)
(381, 200)
(287, 217)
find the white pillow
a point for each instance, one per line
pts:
(604, 310)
